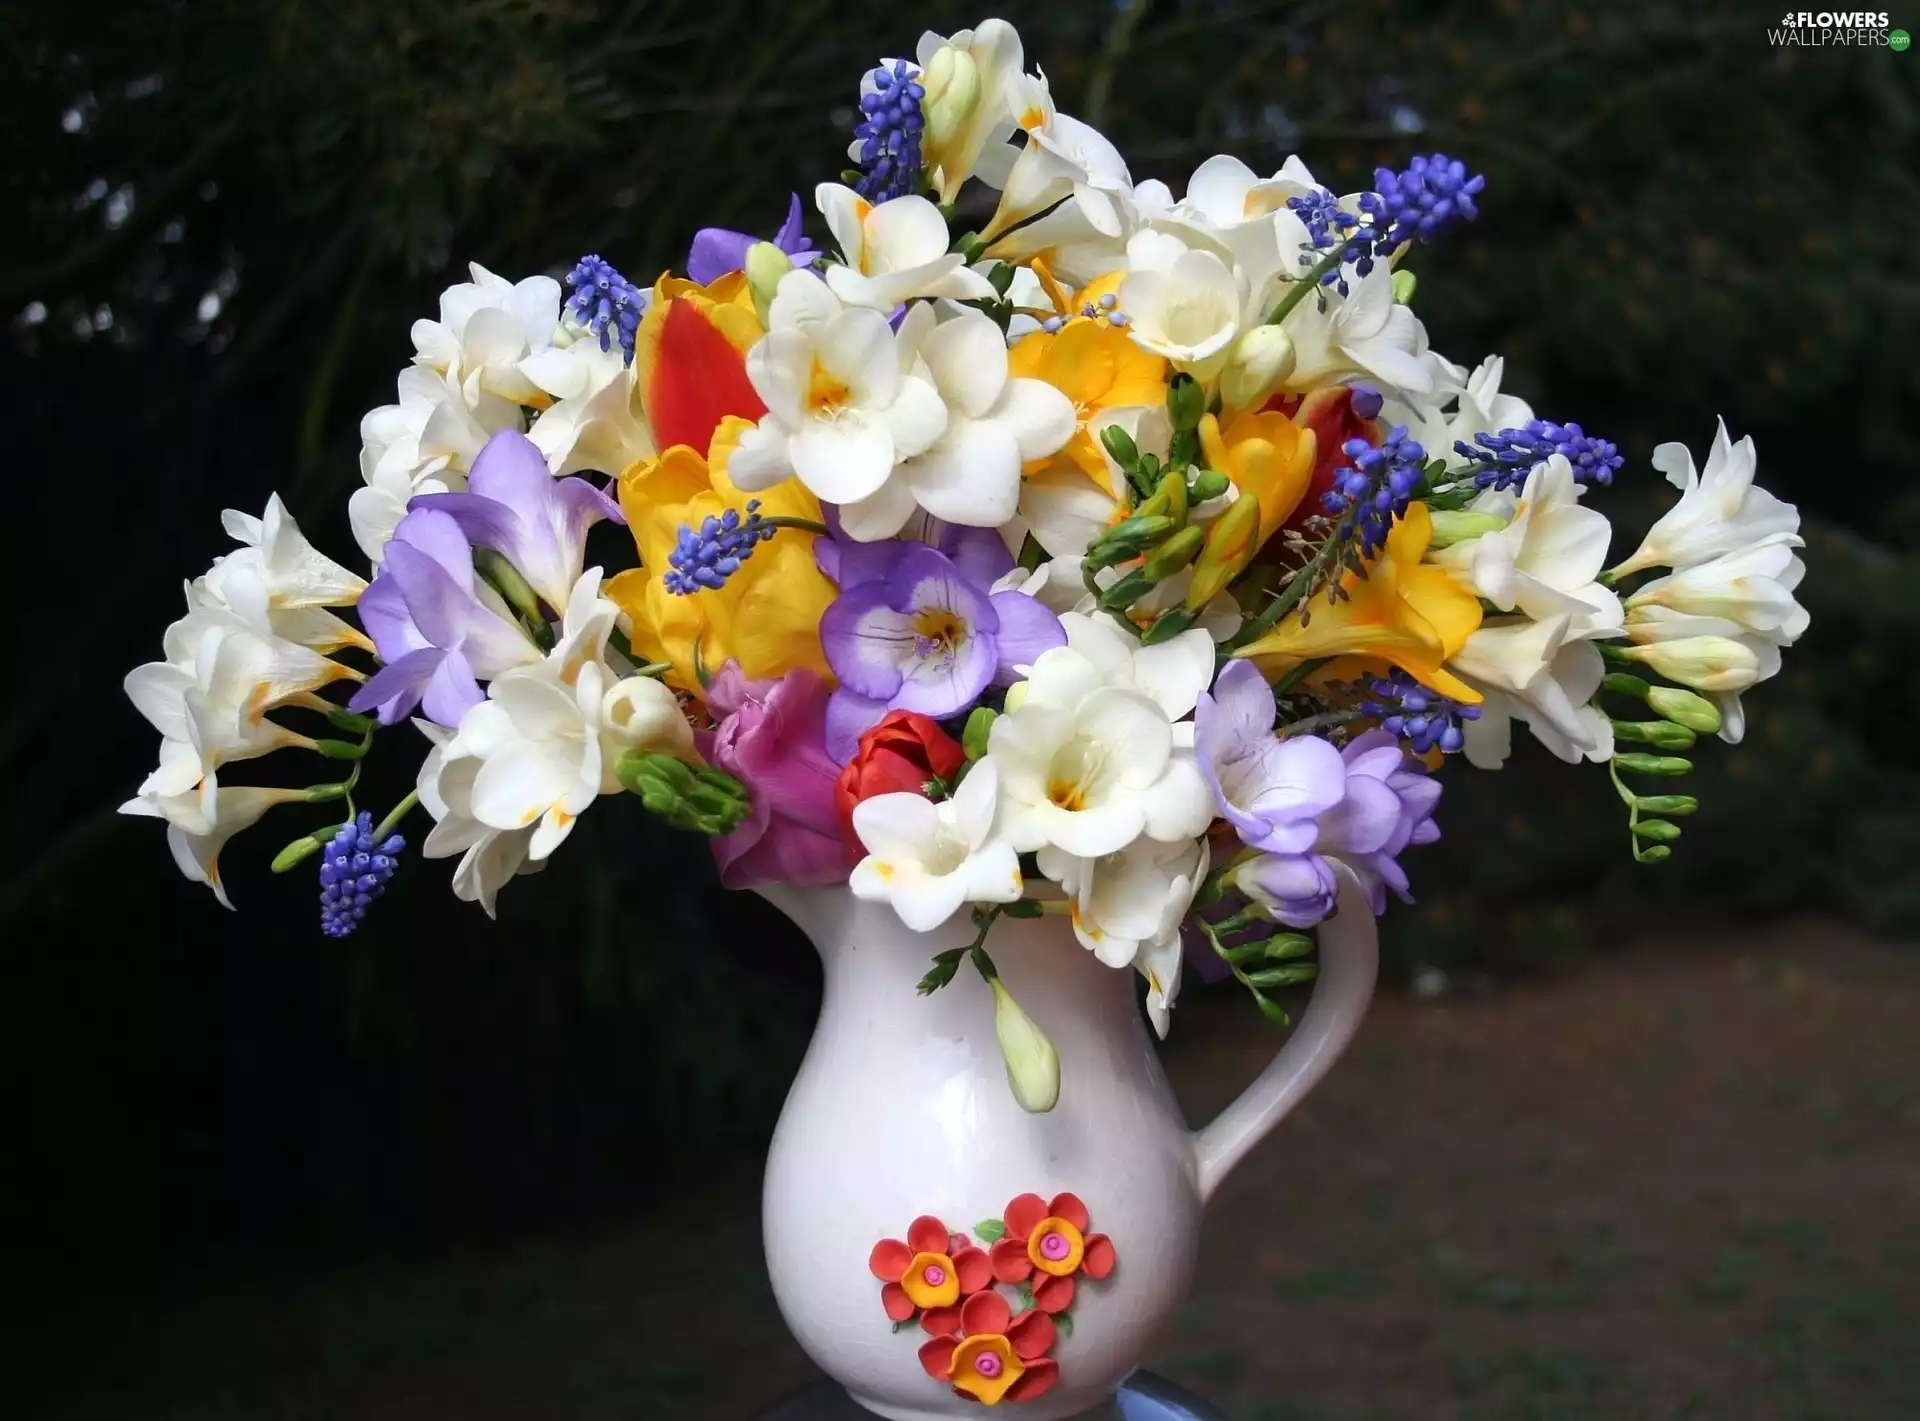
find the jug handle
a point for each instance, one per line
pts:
(1349, 962)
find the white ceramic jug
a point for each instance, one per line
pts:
(901, 1115)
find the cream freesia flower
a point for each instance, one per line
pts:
(928, 860)
(1720, 510)
(894, 252)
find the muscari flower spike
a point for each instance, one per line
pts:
(1420, 716)
(889, 133)
(1376, 487)
(1430, 193)
(354, 871)
(1101, 310)
(606, 303)
(708, 557)
(1506, 458)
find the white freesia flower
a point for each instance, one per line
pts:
(209, 699)
(1131, 901)
(486, 328)
(1063, 161)
(841, 414)
(1752, 587)
(1542, 673)
(595, 420)
(1174, 672)
(1364, 333)
(1720, 511)
(1088, 756)
(1459, 406)
(928, 860)
(488, 857)
(199, 824)
(1183, 302)
(424, 444)
(996, 424)
(977, 91)
(280, 583)
(1716, 655)
(549, 735)
(1064, 508)
(1546, 561)
(894, 252)
(1083, 238)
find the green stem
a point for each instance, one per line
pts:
(1289, 597)
(805, 525)
(1298, 674)
(1297, 292)
(1326, 720)
(400, 811)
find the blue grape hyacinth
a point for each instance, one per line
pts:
(355, 870)
(606, 303)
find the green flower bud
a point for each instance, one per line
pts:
(1655, 853)
(1459, 526)
(973, 739)
(1128, 590)
(505, 579)
(1284, 976)
(1656, 829)
(1186, 402)
(1208, 485)
(703, 800)
(1403, 286)
(1662, 734)
(766, 264)
(1677, 805)
(1653, 765)
(1033, 1066)
(1167, 626)
(1128, 539)
(1624, 685)
(1179, 550)
(1119, 444)
(1686, 708)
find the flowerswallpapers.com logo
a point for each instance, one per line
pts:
(1852, 28)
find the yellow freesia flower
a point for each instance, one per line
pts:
(1098, 368)
(1403, 612)
(1266, 456)
(767, 616)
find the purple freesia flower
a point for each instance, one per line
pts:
(771, 736)
(717, 250)
(979, 553)
(922, 635)
(1272, 791)
(1386, 807)
(439, 630)
(516, 507)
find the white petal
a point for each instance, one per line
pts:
(968, 357)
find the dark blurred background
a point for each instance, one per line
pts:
(451, 1166)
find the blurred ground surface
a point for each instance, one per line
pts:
(1672, 1184)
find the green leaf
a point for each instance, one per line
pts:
(1063, 1323)
(1272, 1010)
(903, 1324)
(990, 1230)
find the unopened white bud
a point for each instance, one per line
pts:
(1033, 1066)
(1259, 360)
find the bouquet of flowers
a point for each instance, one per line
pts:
(1130, 556)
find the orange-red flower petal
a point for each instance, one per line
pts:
(937, 1356)
(1069, 1207)
(1100, 1257)
(894, 1299)
(1031, 1334)
(941, 1321)
(1036, 1380)
(1023, 1213)
(973, 1268)
(1053, 1294)
(889, 1260)
(927, 1234)
(983, 1313)
(1010, 1261)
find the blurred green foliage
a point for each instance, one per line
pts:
(225, 216)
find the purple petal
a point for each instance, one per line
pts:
(486, 522)
(850, 715)
(925, 580)
(717, 251)
(1238, 710)
(790, 238)
(980, 553)
(855, 563)
(382, 610)
(512, 470)
(439, 537)
(451, 692)
(438, 604)
(1365, 821)
(1298, 889)
(948, 682)
(395, 689)
(866, 641)
(1026, 630)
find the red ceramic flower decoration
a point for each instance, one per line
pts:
(994, 1356)
(929, 1274)
(1049, 1243)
